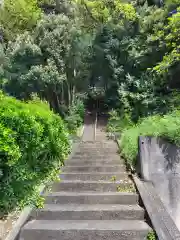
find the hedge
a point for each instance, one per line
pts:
(33, 145)
(167, 126)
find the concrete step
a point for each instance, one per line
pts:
(102, 186)
(89, 212)
(91, 198)
(98, 147)
(104, 157)
(97, 154)
(96, 157)
(89, 162)
(97, 150)
(83, 230)
(99, 143)
(94, 176)
(93, 153)
(97, 168)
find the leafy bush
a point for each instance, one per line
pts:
(76, 115)
(170, 37)
(33, 145)
(73, 122)
(78, 108)
(167, 126)
(118, 123)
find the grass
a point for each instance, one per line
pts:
(167, 126)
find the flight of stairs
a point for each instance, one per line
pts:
(90, 203)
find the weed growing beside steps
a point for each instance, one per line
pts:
(129, 189)
(151, 236)
(113, 179)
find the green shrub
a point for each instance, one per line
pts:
(73, 122)
(79, 108)
(76, 115)
(167, 126)
(33, 145)
(118, 123)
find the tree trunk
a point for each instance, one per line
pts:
(57, 101)
(50, 99)
(62, 93)
(58, 7)
(68, 94)
(73, 93)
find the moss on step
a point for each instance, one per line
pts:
(126, 188)
(113, 179)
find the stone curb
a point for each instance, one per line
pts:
(26, 212)
(160, 218)
(23, 218)
(13, 234)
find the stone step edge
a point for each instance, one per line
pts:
(111, 225)
(113, 174)
(89, 212)
(97, 181)
(79, 207)
(95, 166)
(63, 193)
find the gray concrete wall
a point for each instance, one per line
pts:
(159, 162)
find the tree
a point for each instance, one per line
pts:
(97, 13)
(18, 16)
(49, 62)
(170, 36)
(172, 4)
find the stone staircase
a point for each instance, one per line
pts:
(92, 201)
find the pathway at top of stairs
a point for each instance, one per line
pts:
(92, 201)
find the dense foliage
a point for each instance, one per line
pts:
(33, 145)
(148, 78)
(74, 118)
(47, 63)
(18, 16)
(130, 50)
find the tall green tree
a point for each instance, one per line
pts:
(18, 16)
(50, 62)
